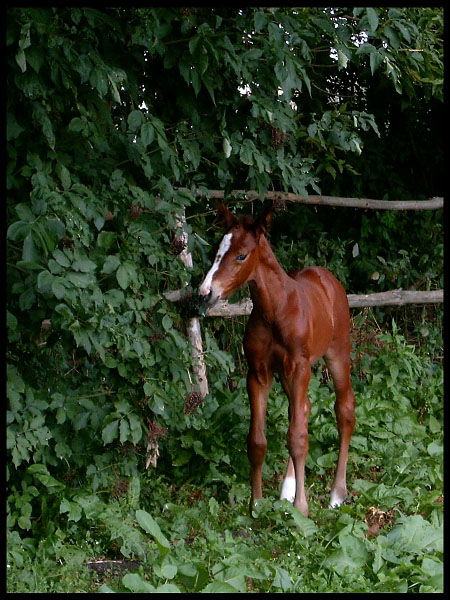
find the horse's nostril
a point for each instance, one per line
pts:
(207, 297)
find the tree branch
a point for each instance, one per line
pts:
(432, 204)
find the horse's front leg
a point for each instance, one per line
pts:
(296, 387)
(344, 407)
(258, 388)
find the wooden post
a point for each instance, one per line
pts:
(193, 330)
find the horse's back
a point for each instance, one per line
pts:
(318, 276)
(320, 282)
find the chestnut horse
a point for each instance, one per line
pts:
(297, 318)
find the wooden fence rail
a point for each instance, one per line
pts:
(392, 298)
(365, 203)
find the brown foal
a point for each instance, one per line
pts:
(297, 318)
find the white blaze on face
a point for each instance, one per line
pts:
(205, 287)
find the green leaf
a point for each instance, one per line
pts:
(24, 522)
(27, 299)
(84, 265)
(13, 129)
(135, 427)
(134, 491)
(11, 321)
(210, 87)
(110, 432)
(435, 448)
(260, 21)
(135, 119)
(65, 177)
(366, 48)
(82, 280)
(434, 425)
(17, 231)
(97, 344)
(306, 526)
(376, 58)
(61, 258)
(99, 80)
(44, 282)
(193, 43)
(168, 571)
(168, 588)
(106, 239)
(125, 273)
(25, 39)
(24, 212)
(124, 430)
(114, 91)
(137, 585)
(392, 37)
(218, 587)
(149, 525)
(21, 61)
(114, 297)
(47, 130)
(111, 263)
(29, 251)
(147, 134)
(351, 555)
(50, 483)
(246, 152)
(203, 63)
(282, 579)
(191, 152)
(415, 534)
(195, 80)
(327, 460)
(213, 507)
(404, 31)
(54, 267)
(167, 323)
(372, 17)
(342, 59)
(74, 510)
(227, 147)
(63, 309)
(77, 124)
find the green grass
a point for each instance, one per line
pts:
(192, 537)
(203, 545)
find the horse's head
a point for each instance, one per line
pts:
(237, 256)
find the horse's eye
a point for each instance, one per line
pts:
(241, 257)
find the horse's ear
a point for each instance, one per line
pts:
(262, 223)
(227, 217)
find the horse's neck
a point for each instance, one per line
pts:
(270, 285)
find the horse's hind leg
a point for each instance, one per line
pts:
(339, 366)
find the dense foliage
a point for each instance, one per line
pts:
(114, 118)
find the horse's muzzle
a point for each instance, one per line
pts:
(205, 298)
(207, 301)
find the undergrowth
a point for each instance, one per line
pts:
(186, 536)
